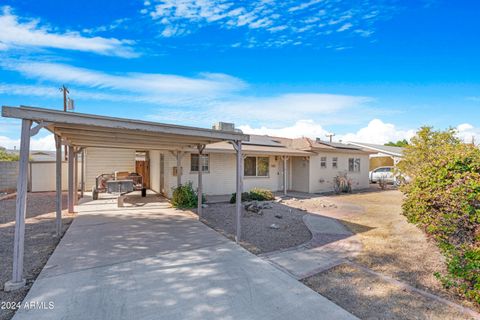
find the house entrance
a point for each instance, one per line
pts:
(142, 167)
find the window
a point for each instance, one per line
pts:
(195, 164)
(323, 162)
(334, 162)
(256, 166)
(354, 164)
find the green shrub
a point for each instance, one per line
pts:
(5, 156)
(185, 196)
(254, 194)
(245, 197)
(261, 194)
(444, 200)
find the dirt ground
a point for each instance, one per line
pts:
(257, 235)
(391, 246)
(40, 241)
(371, 297)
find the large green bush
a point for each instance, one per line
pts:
(254, 194)
(444, 200)
(184, 196)
(5, 156)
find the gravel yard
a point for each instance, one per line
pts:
(39, 241)
(257, 233)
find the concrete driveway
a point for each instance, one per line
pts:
(149, 261)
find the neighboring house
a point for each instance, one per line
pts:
(302, 164)
(41, 172)
(381, 155)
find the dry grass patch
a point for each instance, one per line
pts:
(391, 245)
(371, 297)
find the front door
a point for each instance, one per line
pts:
(142, 167)
(281, 170)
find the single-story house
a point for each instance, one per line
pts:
(311, 165)
(224, 161)
(381, 155)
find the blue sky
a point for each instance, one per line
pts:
(366, 70)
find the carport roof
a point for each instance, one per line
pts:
(88, 130)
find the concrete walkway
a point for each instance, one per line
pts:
(332, 243)
(149, 261)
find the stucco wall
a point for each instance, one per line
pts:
(221, 178)
(155, 170)
(106, 160)
(300, 174)
(321, 179)
(43, 176)
(8, 175)
(305, 175)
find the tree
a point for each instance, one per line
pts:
(399, 143)
(5, 156)
(444, 200)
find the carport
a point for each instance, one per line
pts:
(78, 131)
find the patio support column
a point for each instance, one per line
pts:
(75, 178)
(82, 174)
(58, 185)
(70, 178)
(179, 168)
(285, 180)
(200, 147)
(239, 189)
(18, 281)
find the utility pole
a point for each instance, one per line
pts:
(65, 93)
(65, 96)
(330, 136)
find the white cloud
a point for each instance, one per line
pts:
(289, 106)
(43, 143)
(269, 19)
(17, 32)
(378, 132)
(149, 84)
(52, 92)
(219, 94)
(467, 132)
(304, 5)
(301, 128)
(345, 27)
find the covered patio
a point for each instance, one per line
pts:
(153, 261)
(77, 131)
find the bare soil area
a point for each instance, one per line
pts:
(257, 234)
(391, 246)
(371, 297)
(40, 241)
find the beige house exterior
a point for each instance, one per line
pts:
(316, 173)
(311, 166)
(106, 160)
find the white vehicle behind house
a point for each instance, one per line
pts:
(389, 175)
(386, 174)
